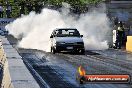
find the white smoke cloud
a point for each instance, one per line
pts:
(37, 28)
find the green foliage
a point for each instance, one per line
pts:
(72, 2)
(91, 1)
(80, 5)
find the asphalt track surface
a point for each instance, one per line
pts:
(61, 70)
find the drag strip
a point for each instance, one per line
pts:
(50, 66)
(60, 70)
(47, 71)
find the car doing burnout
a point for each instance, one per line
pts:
(67, 39)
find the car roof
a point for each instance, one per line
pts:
(65, 29)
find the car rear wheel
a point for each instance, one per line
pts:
(53, 50)
(82, 52)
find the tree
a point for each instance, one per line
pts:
(91, 1)
(77, 6)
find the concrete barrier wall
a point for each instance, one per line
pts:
(5, 79)
(129, 43)
(15, 73)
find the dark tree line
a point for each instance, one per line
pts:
(26, 6)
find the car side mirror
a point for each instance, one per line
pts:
(81, 35)
(51, 36)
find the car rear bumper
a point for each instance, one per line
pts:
(69, 47)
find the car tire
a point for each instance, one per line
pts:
(53, 50)
(57, 51)
(82, 52)
(76, 52)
